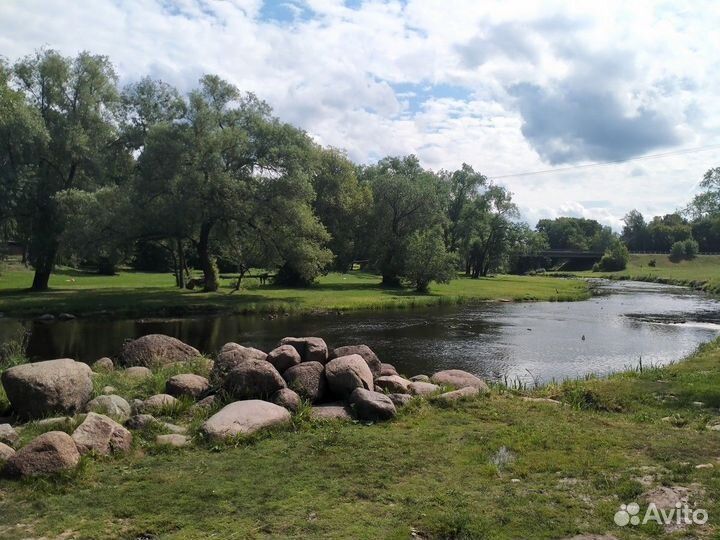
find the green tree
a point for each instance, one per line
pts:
(635, 231)
(428, 260)
(465, 185)
(341, 203)
(615, 258)
(406, 199)
(77, 102)
(707, 202)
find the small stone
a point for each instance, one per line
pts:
(243, 418)
(108, 390)
(8, 435)
(112, 406)
(103, 365)
(66, 317)
(205, 403)
(715, 427)
(101, 434)
(705, 466)
(284, 357)
(141, 421)
(187, 384)
(287, 398)
(456, 395)
(698, 404)
(370, 406)
(400, 400)
(394, 384)
(5, 452)
(330, 411)
(159, 403)
(419, 388)
(58, 422)
(173, 428)
(541, 400)
(174, 440)
(459, 379)
(387, 370)
(420, 378)
(138, 372)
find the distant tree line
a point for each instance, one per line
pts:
(100, 176)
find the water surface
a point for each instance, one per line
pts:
(531, 342)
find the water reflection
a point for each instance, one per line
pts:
(529, 342)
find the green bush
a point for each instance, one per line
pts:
(677, 252)
(615, 258)
(428, 260)
(684, 250)
(691, 248)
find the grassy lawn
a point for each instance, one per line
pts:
(702, 272)
(436, 472)
(139, 294)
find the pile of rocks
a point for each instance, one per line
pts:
(348, 382)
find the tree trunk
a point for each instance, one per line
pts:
(180, 265)
(207, 264)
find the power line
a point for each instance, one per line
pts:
(613, 162)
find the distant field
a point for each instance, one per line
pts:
(702, 272)
(142, 294)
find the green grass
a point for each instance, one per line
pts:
(433, 471)
(703, 272)
(140, 294)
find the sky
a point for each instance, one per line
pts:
(508, 87)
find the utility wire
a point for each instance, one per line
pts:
(613, 162)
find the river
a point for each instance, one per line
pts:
(530, 342)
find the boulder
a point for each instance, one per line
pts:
(287, 398)
(400, 400)
(308, 380)
(174, 440)
(138, 372)
(253, 379)
(8, 435)
(205, 403)
(173, 428)
(113, 406)
(231, 357)
(156, 350)
(311, 349)
(387, 370)
(51, 452)
(108, 390)
(141, 421)
(366, 352)
(420, 388)
(43, 388)
(284, 357)
(420, 378)
(331, 411)
(370, 406)
(346, 373)
(5, 453)
(159, 403)
(456, 395)
(102, 435)
(187, 384)
(244, 418)
(459, 379)
(104, 365)
(394, 384)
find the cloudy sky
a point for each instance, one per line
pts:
(508, 87)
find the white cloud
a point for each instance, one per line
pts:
(332, 74)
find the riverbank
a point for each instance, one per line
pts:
(490, 467)
(702, 273)
(138, 294)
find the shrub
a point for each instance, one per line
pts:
(691, 248)
(652, 263)
(677, 252)
(615, 258)
(596, 267)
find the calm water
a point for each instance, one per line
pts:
(531, 341)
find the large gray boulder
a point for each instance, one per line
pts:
(311, 349)
(287, 398)
(308, 380)
(284, 357)
(394, 384)
(459, 379)
(187, 384)
(419, 388)
(346, 373)
(138, 372)
(44, 388)
(231, 356)
(49, 453)
(331, 411)
(253, 379)
(102, 435)
(371, 406)
(244, 418)
(111, 405)
(366, 352)
(156, 350)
